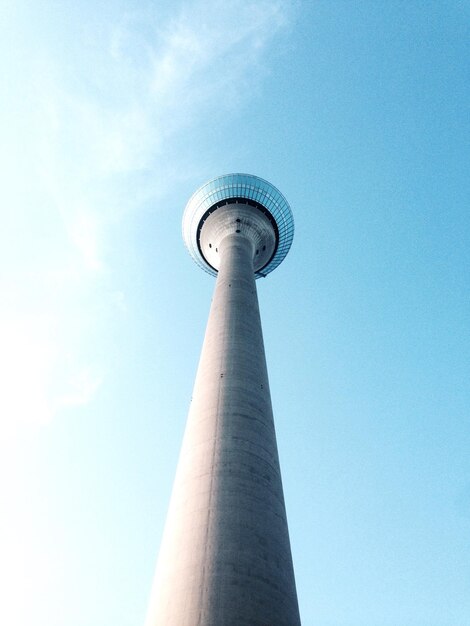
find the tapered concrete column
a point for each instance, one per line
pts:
(225, 558)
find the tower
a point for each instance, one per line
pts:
(225, 557)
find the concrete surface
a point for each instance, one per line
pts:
(225, 557)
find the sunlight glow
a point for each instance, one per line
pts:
(32, 390)
(27, 357)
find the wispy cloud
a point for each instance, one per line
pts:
(82, 388)
(213, 56)
(153, 82)
(95, 143)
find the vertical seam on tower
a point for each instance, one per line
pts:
(211, 488)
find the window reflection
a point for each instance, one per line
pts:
(245, 186)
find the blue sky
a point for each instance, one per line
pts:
(112, 114)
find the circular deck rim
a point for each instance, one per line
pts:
(238, 186)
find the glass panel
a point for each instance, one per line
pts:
(244, 186)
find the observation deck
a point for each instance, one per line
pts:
(243, 204)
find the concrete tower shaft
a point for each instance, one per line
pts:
(225, 557)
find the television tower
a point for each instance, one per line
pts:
(225, 558)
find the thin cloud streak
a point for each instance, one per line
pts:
(100, 147)
(208, 59)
